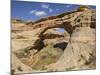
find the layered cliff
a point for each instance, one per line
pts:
(43, 47)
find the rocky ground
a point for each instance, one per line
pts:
(40, 47)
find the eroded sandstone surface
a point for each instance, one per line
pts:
(39, 46)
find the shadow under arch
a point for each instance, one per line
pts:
(39, 44)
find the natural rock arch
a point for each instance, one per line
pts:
(67, 29)
(80, 49)
(68, 21)
(78, 20)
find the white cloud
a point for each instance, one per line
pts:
(38, 13)
(50, 10)
(32, 11)
(68, 6)
(45, 6)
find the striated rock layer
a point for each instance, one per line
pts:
(40, 44)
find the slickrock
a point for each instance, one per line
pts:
(18, 66)
(36, 43)
(80, 51)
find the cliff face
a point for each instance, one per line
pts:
(79, 53)
(40, 44)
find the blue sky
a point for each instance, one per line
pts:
(36, 10)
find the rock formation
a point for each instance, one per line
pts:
(76, 47)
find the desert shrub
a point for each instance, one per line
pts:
(47, 56)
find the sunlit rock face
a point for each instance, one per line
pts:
(79, 53)
(56, 43)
